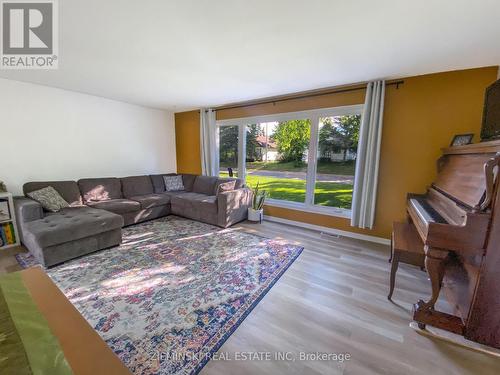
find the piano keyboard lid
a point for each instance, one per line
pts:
(462, 178)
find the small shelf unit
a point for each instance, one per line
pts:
(7, 197)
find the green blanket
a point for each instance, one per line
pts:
(27, 346)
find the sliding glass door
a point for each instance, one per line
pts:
(304, 159)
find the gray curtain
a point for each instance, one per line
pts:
(367, 163)
(209, 143)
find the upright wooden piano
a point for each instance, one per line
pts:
(458, 221)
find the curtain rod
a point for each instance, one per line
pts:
(304, 96)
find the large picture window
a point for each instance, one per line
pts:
(304, 160)
(336, 160)
(280, 163)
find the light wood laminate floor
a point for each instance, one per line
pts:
(333, 299)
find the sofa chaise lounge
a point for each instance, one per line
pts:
(100, 207)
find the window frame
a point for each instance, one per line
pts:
(313, 116)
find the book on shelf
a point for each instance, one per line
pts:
(4, 210)
(7, 234)
(3, 239)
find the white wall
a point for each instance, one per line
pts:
(52, 134)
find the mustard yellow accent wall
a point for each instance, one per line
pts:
(420, 118)
(187, 142)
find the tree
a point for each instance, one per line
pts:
(327, 142)
(339, 134)
(347, 128)
(253, 131)
(292, 139)
(228, 146)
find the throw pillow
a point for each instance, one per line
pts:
(49, 198)
(173, 183)
(226, 186)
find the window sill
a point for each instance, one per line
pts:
(322, 210)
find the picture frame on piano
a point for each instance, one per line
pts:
(462, 139)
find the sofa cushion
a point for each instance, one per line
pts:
(152, 200)
(49, 198)
(171, 194)
(187, 196)
(188, 181)
(136, 185)
(173, 183)
(70, 224)
(118, 206)
(157, 181)
(100, 189)
(67, 189)
(205, 202)
(195, 206)
(204, 185)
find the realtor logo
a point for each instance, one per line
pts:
(29, 34)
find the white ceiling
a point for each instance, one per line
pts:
(180, 54)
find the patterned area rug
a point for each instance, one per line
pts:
(173, 292)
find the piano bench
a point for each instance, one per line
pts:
(406, 247)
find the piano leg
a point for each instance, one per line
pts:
(434, 263)
(423, 312)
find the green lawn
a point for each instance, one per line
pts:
(343, 168)
(340, 168)
(326, 193)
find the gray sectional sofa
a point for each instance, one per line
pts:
(100, 207)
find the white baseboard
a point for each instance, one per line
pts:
(337, 232)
